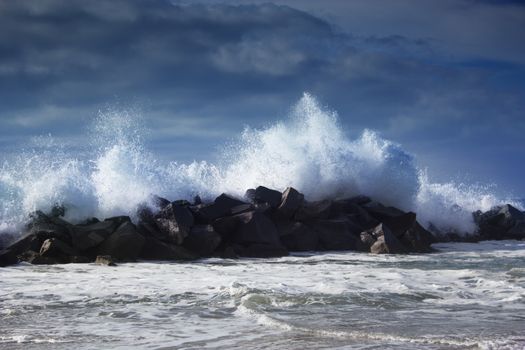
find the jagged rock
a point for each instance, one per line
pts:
(105, 260)
(123, 244)
(197, 200)
(367, 239)
(338, 234)
(296, 237)
(202, 240)
(314, 210)
(355, 212)
(159, 202)
(174, 222)
(54, 247)
(263, 251)
(417, 239)
(7, 257)
(79, 259)
(35, 258)
(85, 237)
(154, 249)
(255, 228)
(381, 212)
(291, 200)
(265, 195)
(386, 242)
(222, 206)
(49, 227)
(242, 208)
(502, 222)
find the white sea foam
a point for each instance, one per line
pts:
(309, 151)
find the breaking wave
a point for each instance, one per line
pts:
(309, 151)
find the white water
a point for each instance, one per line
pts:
(466, 296)
(309, 151)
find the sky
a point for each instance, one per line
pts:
(446, 79)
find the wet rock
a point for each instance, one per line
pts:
(54, 247)
(197, 200)
(417, 239)
(265, 195)
(222, 206)
(174, 223)
(296, 237)
(159, 202)
(79, 259)
(291, 201)
(386, 242)
(314, 210)
(154, 249)
(105, 260)
(263, 251)
(7, 258)
(36, 259)
(367, 240)
(337, 234)
(123, 244)
(202, 240)
(255, 228)
(242, 208)
(381, 212)
(84, 237)
(504, 222)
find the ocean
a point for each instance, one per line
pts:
(465, 296)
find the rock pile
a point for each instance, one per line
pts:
(266, 223)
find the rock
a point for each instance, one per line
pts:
(85, 237)
(105, 260)
(242, 208)
(222, 206)
(337, 234)
(381, 212)
(159, 202)
(349, 208)
(263, 251)
(386, 242)
(202, 240)
(7, 258)
(291, 200)
(367, 240)
(36, 259)
(174, 223)
(255, 228)
(296, 237)
(123, 244)
(148, 229)
(197, 200)
(79, 259)
(49, 227)
(417, 239)
(54, 247)
(504, 222)
(314, 211)
(399, 224)
(154, 249)
(265, 195)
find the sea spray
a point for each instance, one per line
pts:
(309, 151)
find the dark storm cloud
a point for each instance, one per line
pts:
(201, 71)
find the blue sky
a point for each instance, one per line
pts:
(446, 79)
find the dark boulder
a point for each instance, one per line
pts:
(314, 210)
(291, 201)
(381, 212)
(222, 206)
(202, 240)
(174, 222)
(386, 242)
(154, 249)
(296, 237)
(7, 257)
(349, 208)
(123, 244)
(417, 239)
(503, 222)
(159, 202)
(105, 260)
(242, 208)
(54, 247)
(265, 195)
(262, 251)
(338, 234)
(35, 258)
(85, 237)
(367, 240)
(255, 228)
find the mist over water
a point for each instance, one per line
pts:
(309, 151)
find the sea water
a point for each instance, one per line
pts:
(465, 296)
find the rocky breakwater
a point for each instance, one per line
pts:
(265, 223)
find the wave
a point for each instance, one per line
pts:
(309, 151)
